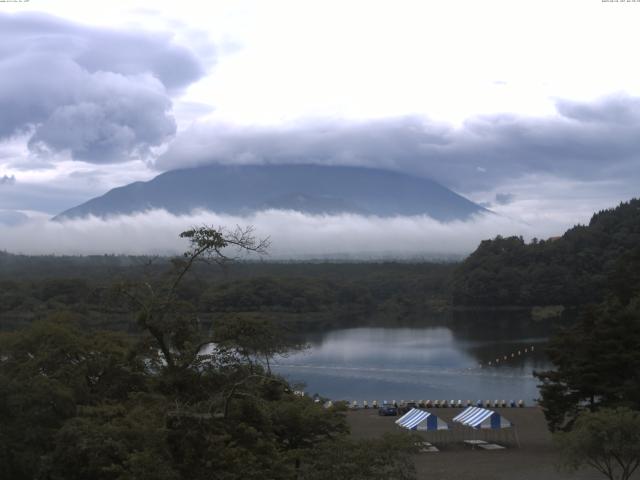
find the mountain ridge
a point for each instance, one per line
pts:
(314, 189)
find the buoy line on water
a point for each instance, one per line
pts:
(503, 359)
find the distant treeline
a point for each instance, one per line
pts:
(300, 295)
(574, 269)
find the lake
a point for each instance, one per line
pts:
(413, 363)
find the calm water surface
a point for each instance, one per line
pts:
(420, 363)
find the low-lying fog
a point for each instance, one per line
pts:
(293, 235)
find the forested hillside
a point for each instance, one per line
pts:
(570, 270)
(299, 295)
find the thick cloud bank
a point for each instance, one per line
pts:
(102, 95)
(582, 141)
(293, 235)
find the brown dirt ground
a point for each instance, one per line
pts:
(535, 459)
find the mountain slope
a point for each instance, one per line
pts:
(313, 189)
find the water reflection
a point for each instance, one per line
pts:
(420, 363)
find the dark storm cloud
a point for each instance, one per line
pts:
(584, 141)
(104, 95)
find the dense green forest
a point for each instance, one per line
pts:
(299, 295)
(175, 401)
(597, 359)
(574, 269)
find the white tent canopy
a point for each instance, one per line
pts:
(416, 419)
(476, 417)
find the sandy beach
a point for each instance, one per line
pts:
(534, 459)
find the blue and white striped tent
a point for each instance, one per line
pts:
(416, 419)
(476, 417)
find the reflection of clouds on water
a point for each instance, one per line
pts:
(386, 345)
(435, 346)
(412, 362)
(356, 382)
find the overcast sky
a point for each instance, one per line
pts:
(529, 107)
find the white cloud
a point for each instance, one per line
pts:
(446, 60)
(283, 60)
(102, 95)
(583, 140)
(364, 59)
(293, 234)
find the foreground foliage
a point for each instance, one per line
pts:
(597, 360)
(607, 440)
(175, 401)
(345, 459)
(596, 365)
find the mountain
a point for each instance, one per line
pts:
(312, 189)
